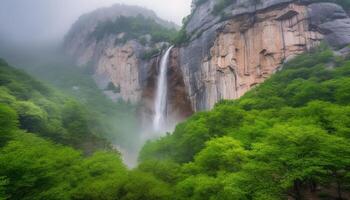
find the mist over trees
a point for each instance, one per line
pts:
(61, 136)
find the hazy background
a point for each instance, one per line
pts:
(31, 32)
(41, 21)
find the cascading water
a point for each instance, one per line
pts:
(161, 94)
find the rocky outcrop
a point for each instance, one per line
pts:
(112, 62)
(120, 68)
(77, 43)
(228, 56)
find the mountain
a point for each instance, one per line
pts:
(48, 113)
(52, 147)
(224, 49)
(264, 87)
(121, 47)
(120, 35)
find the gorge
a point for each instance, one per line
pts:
(223, 58)
(247, 100)
(221, 55)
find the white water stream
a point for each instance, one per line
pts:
(159, 120)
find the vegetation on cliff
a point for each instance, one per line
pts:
(134, 28)
(48, 113)
(50, 148)
(116, 119)
(288, 137)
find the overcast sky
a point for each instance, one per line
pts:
(43, 20)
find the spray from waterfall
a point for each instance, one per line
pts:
(159, 119)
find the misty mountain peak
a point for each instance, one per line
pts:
(88, 22)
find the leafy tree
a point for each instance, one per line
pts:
(300, 154)
(31, 116)
(3, 183)
(200, 187)
(8, 123)
(166, 170)
(140, 186)
(221, 154)
(103, 179)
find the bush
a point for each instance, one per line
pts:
(151, 53)
(181, 37)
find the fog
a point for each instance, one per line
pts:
(32, 32)
(41, 21)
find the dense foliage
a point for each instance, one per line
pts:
(48, 113)
(116, 119)
(32, 168)
(288, 137)
(39, 165)
(182, 37)
(134, 28)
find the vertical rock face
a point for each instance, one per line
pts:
(118, 64)
(112, 62)
(227, 55)
(121, 65)
(120, 68)
(225, 59)
(178, 105)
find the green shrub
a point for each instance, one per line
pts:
(181, 37)
(150, 53)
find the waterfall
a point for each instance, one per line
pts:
(161, 94)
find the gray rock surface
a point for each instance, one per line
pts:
(203, 17)
(332, 21)
(225, 57)
(76, 41)
(191, 58)
(320, 20)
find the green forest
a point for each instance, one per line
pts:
(116, 120)
(134, 28)
(288, 137)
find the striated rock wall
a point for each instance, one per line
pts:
(227, 55)
(77, 43)
(110, 61)
(121, 66)
(225, 59)
(178, 105)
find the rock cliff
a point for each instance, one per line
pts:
(114, 58)
(232, 52)
(126, 66)
(231, 49)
